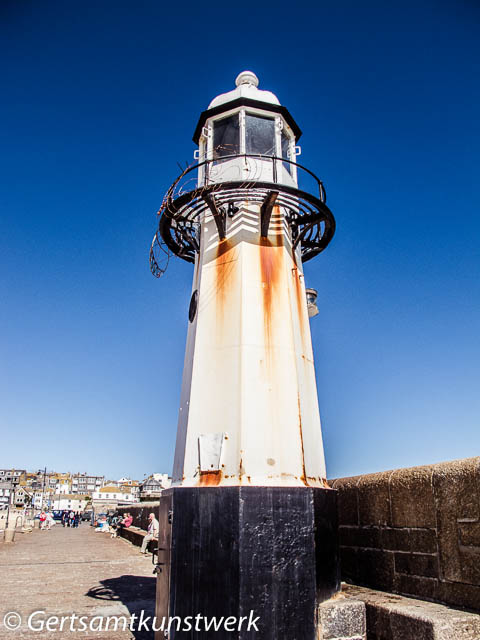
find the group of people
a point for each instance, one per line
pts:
(118, 523)
(46, 520)
(70, 518)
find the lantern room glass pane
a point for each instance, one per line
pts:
(260, 135)
(226, 137)
(286, 152)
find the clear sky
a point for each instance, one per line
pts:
(99, 103)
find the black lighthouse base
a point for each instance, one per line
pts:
(268, 555)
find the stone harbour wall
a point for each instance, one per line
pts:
(414, 532)
(140, 512)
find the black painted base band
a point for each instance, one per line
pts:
(229, 551)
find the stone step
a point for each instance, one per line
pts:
(394, 617)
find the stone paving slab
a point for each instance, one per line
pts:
(65, 571)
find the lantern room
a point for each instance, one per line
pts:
(246, 134)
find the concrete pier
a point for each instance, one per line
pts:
(65, 571)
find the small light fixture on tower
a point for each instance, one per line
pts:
(312, 302)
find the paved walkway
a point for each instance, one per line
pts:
(65, 571)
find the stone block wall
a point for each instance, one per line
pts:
(414, 531)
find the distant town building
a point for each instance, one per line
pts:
(70, 501)
(23, 497)
(42, 499)
(64, 483)
(42, 488)
(32, 480)
(151, 488)
(83, 483)
(111, 483)
(135, 489)
(113, 496)
(128, 483)
(12, 475)
(6, 493)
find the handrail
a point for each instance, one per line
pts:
(273, 159)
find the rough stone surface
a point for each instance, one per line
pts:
(377, 567)
(403, 485)
(374, 499)
(457, 496)
(65, 571)
(414, 531)
(394, 617)
(342, 618)
(347, 500)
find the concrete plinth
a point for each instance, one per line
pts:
(230, 551)
(394, 617)
(9, 535)
(342, 618)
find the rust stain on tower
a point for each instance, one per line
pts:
(223, 269)
(300, 300)
(271, 269)
(304, 473)
(210, 478)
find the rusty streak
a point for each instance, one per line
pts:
(222, 271)
(303, 477)
(210, 478)
(271, 267)
(301, 301)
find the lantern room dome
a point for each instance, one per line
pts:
(247, 87)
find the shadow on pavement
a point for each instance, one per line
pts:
(136, 593)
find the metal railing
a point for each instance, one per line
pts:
(205, 170)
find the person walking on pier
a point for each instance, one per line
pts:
(49, 521)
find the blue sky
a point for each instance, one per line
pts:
(99, 103)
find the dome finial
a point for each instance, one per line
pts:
(246, 77)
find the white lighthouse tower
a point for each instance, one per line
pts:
(249, 471)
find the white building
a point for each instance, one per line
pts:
(63, 485)
(23, 497)
(114, 496)
(69, 501)
(164, 479)
(133, 485)
(5, 493)
(43, 499)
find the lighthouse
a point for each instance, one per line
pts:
(249, 524)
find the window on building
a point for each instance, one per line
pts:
(260, 135)
(286, 152)
(226, 137)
